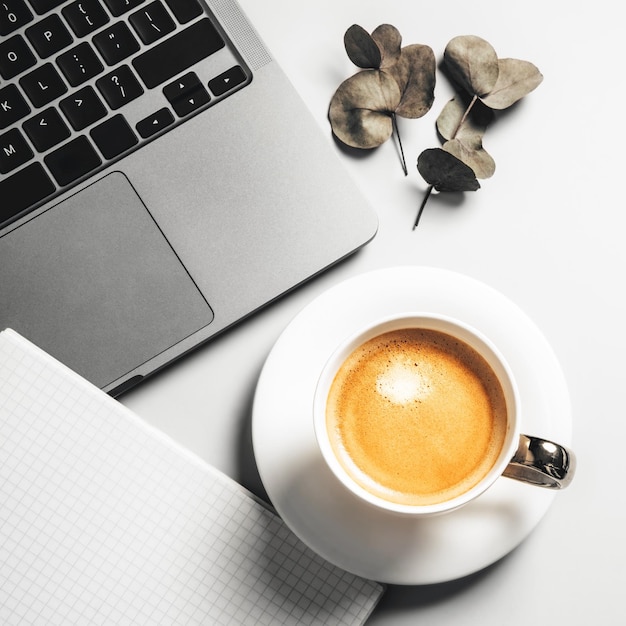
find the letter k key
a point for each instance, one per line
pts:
(13, 106)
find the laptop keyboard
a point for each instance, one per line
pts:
(86, 82)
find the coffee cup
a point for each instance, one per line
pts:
(419, 414)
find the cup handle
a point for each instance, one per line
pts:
(541, 462)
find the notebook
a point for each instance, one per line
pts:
(104, 519)
(160, 180)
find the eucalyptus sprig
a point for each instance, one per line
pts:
(486, 83)
(393, 81)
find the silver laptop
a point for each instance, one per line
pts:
(160, 180)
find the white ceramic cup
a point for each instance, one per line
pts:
(530, 459)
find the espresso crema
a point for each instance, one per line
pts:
(416, 416)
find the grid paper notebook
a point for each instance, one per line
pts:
(105, 520)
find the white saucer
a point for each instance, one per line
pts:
(353, 535)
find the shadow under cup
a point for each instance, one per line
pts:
(387, 385)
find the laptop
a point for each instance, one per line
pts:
(160, 180)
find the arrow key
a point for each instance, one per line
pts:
(46, 129)
(227, 80)
(83, 108)
(186, 94)
(154, 123)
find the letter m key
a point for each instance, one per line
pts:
(14, 151)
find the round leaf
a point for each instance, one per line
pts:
(361, 109)
(474, 125)
(515, 80)
(389, 40)
(362, 50)
(415, 71)
(475, 156)
(445, 172)
(473, 63)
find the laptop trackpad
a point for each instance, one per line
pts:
(97, 284)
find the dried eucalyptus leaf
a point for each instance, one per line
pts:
(389, 41)
(415, 71)
(362, 50)
(450, 118)
(473, 63)
(445, 172)
(475, 156)
(473, 127)
(361, 109)
(516, 79)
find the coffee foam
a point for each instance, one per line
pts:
(416, 416)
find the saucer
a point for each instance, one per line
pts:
(344, 530)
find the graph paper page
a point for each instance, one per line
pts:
(105, 520)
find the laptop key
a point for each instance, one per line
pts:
(184, 10)
(13, 106)
(186, 94)
(43, 6)
(79, 64)
(119, 7)
(119, 87)
(46, 129)
(154, 123)
(23, 189)
(116, 43)
(83, 108)
(72, 160)
(43, 85)
(13, 15)
(114, 136)
(227, 80)
(152, 22)
(177, 53)
(85, 16)
(15, 57)
(14, 151)
(48, 36)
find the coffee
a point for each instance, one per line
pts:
(416, 416)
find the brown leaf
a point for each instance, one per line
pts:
(414, 71)
(474, 156)
(445, 172)
(473, 63)
(389, 40)
(361, 109)
(515, 80)
(474, 125)
(362, 50)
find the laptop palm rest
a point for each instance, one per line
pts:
(97, 284)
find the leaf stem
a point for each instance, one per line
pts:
(454, 134)
(394, 123)
(421, 209)
(464, 117)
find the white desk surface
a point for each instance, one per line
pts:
(547, 230)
